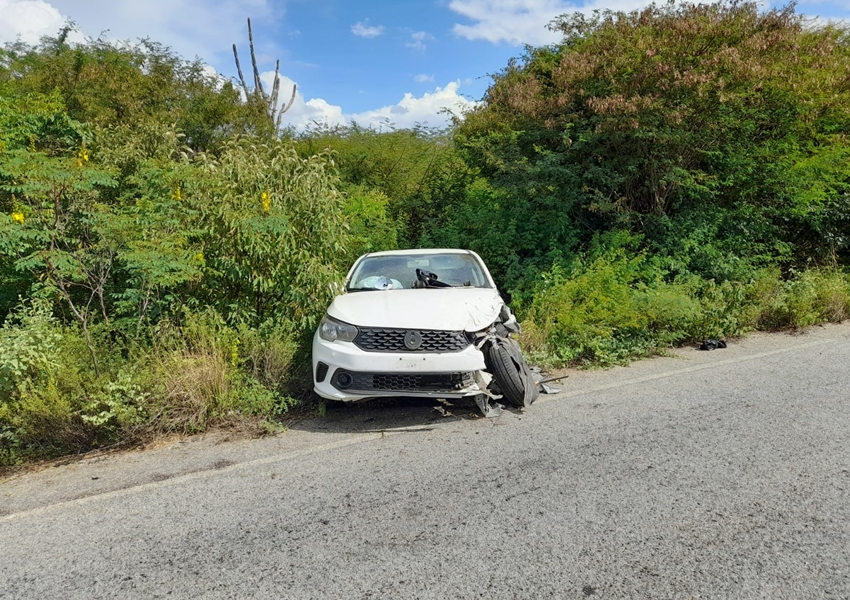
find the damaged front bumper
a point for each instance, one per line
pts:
(344, 372)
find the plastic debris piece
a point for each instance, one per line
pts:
(712, 344)
(487, 409)
(443, 412)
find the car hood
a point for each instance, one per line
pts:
(456, 309)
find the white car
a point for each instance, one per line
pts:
(420, 323)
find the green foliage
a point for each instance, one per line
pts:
(201, 374)
(370, 227)
(216, 373)
(135, 211)
(607, 312)
(40, 403)
(674, 119)
(273, 229)
(604, 313)
(418, 171)
(133, 85)
(658, 177)
(810, 297)
(28, 349)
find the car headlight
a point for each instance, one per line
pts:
(332, 330)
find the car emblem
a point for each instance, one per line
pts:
(412, 340)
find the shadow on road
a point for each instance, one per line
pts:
(388, 414)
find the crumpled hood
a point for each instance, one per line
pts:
(456, 309)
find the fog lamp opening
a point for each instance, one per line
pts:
(344, 380)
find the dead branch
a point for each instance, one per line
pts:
(257, 83)
(239, 70)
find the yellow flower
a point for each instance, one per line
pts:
(82, 156)
(18, 216)
(267, 201)
(199, 257)
(175, 194)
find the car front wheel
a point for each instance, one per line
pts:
(511, 373)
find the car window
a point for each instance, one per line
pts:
(399, 272)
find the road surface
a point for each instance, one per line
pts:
(721, 474)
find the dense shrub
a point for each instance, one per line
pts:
(602, 313)
(200, 373)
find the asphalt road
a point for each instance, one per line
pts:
(720, 474)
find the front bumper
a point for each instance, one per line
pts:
(381, 374)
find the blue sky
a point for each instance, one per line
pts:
(369, 60)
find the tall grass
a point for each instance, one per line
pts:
(198, 374)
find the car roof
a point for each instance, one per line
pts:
(418, 251)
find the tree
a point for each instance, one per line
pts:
(713, 125)
(136, 86)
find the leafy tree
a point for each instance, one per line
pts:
(656, 119)
(108, 84)
(272, 227)
(417, 170)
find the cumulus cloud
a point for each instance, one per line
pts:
(364, 30)
(192, 28)
(423, 78)
(418, 39)
(30, 20)
(303, 112)
(523, 21)
(428, 109)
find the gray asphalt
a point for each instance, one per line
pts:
(720, 474)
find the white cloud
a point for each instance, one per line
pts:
(418, 39)
(427, 109)
(31, 19)
(423, 78)
(362, 29)
(523, 21)
(303, 112)
(204, 28)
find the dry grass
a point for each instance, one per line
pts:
(195, 385)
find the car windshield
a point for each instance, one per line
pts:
(393, 272)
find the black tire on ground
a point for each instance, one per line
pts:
(511, 374)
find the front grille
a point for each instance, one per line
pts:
(407, 382)
(375, 339)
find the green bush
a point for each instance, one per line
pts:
(29, 350)
(808, 298)
(603, 313)
(200, 373)
(41, 397)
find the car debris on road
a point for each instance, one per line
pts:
(712, 344)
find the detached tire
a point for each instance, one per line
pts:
(512, 375)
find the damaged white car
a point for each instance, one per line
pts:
(421, 323)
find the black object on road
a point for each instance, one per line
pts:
(712, 344)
